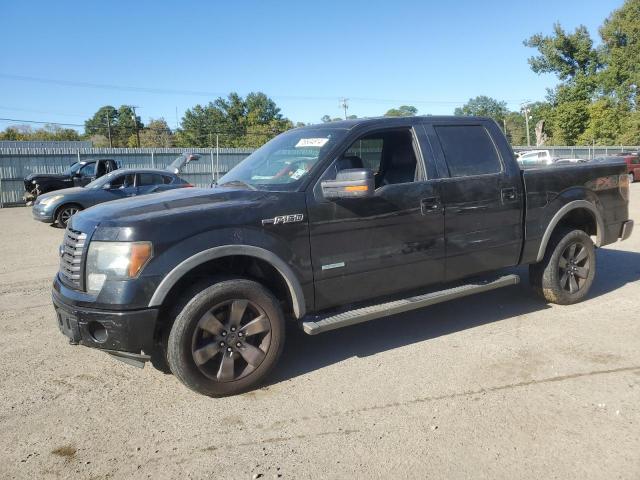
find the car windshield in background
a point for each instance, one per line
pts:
(282, 163)
(102, 181)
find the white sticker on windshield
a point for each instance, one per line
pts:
(298, 173)
(311, 142)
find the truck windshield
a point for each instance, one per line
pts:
(73, 169)
(283, 162)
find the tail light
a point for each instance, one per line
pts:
(623, 185)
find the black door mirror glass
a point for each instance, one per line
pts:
(351, 183)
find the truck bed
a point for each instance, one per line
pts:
(548, 189)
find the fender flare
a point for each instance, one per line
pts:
(560, 214)
(170, 280)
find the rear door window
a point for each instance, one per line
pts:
(468, 150)
(145, 179)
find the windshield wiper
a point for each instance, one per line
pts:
(236, 183)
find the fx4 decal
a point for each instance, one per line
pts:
(296, 217)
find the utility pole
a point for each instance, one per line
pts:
(135, 122)
(524, 108)
(344, 103)
(109, 130)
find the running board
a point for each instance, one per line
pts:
(364, 314)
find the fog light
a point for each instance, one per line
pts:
(95, 282)
(97, 332)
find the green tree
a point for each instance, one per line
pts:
(514, 128)
(605, 123)
(483, 106)
(402, 111)
(121, 124)
(126, 127)
(577, 63)
(49, 132)
(630, 130)
(156, 134)
(620, 35)
(568, 55)
(98, 124)
(239, 122)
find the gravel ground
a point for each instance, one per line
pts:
(499, 385)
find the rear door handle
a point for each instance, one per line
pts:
(509, 194)
(429, 205)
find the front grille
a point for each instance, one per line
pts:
(71, 258)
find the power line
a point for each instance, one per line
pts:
(202, 93)
(41, 122)
(154, 129)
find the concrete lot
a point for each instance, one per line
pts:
(499, 385)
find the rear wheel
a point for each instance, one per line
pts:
(227, 338)
(568, 268)
(65, 213)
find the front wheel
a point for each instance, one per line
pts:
(566, 273)
(227, 338)
(65, 213)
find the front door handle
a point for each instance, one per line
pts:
(429, 205)
(509, 194)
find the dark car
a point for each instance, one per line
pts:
(77, 175)
(61, 205)
(327, 226)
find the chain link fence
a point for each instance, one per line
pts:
(17, 163)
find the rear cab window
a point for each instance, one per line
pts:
(468, 150)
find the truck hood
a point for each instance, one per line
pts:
(44, 176)
(181, 202)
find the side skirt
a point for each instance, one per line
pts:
(315, 325)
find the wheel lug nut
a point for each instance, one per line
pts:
(240, 334)
(233, 329)
(224, 334)
(222, 344)
(238, 344)
(229, 349)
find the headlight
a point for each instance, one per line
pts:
(116, 261)
(49, 200)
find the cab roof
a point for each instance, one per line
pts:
(390, 121)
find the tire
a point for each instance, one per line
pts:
(568, 268)
(65, 212)
(227, 338)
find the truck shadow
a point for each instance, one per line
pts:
(304, 354)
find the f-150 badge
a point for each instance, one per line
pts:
(296, 217)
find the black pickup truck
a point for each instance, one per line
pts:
(77, 175)
(328, 226)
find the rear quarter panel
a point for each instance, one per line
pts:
(547, 190)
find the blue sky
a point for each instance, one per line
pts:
(305, 55)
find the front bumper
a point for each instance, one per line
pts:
(627, 229)
(126, 334)
(42, 214)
